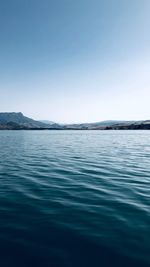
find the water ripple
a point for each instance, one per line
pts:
(75, 198)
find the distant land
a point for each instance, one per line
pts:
(47, 122)
(17, 121)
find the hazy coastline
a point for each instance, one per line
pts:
(17, 121)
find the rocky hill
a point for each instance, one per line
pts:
(16, 120)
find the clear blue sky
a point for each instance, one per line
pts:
(75, 60)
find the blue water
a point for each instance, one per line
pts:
(74, 198)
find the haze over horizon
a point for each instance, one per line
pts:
(75, 61)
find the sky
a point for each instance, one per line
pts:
(74, 61)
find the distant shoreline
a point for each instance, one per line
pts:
(17, 121)
(73, 129)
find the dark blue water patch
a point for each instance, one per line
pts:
(59, 248)
(74, 198)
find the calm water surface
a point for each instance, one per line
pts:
(74, 198)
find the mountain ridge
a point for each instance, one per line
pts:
(17, 121)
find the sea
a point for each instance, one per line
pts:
(74, 198)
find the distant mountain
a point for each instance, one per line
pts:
(137, 125)
(110, 125)
(111, 122)
(13, 120)
(17, 121)
(47, 122)
(20, 119)
(95, 125)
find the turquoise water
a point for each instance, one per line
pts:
(74, 198)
